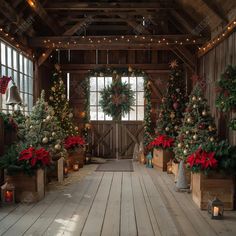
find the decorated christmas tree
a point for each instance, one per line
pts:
(44, 130)
(60, 104)
(198, 126)
(173, 104)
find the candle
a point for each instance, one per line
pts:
(76, 167)
(215, 211)
(8, 196)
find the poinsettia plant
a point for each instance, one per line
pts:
(71, 143)
(220, 157)
(162, 141)
(9, 122)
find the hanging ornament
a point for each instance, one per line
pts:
(167, 129)
(130, 69)
(63, 96)
(76, 128)
(31, 127)
(179, 145)
(101, 74)
(195, 137)
(48, 118)
(204, 113)
(52, 112)
(185, 151)
(61, 82)
(53, 89)
(201, 126)
(187, 132)
(194, 106)
(57, 146)
(45, 140)
(176, 105)
(176, 127)
(212, 139)
(177, 90)
(194, 98)
(51, 98)
(70, 115)
(172, 115)
(53, 134)
(199, 99)
(189, 120)
(44, 120)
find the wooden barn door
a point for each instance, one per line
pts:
(116, 139)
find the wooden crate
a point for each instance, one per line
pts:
(79, 156)
(206, 188)
(161, 158)
(28, 189)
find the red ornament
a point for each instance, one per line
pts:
(176, 105)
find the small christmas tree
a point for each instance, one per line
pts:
(173, 104)
(43, 129)
(60, 104)
(198, 126)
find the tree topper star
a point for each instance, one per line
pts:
(173, 64)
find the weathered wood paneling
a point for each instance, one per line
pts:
(211, 66)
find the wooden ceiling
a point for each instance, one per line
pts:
(37, 21)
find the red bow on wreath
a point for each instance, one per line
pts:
(4, 83)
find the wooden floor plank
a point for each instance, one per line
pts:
(128, 225)
(42, 224)
(6, 210)
(64, 215)
(111, 225)
(163, 217)
(28, 219)
(144, 225)
(93, 225)
(185, 226)
(76, 222)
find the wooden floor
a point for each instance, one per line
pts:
(142, 202)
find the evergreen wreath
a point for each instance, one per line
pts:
(117, 99)
(226, 100)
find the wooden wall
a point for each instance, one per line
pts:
(211, 66)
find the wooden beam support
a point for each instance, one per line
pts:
(48, 20)
(216, 10)
(93, 6)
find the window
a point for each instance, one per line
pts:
(98, 83)
(20, 68)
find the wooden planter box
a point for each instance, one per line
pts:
(79, 156)
(161, 158)
(28, 189)
(58, 171)
(206, 188)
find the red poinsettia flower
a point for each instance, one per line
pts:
(163, 141)
(27, 154)
(73, 142)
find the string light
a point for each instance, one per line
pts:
(31, 3)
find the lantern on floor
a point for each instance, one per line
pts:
(8, 193)
(169, 167)
(216, 209)
(149, 160)
(66, 170)
(87, 159)
(76, 166)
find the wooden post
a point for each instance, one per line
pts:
(117, 139)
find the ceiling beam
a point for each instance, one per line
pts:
(48, 20)
(93, 6)
(216, 10)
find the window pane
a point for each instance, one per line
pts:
(133, 113)
(26, 65)
(30, 102)
(133, 83)
(140, 98)
(15, 78)
(100, 113)
(108, 117)
(9, 72)
(21, 63)
(100, 83)
(3, 53)
(93, 113)
(93, 84)
(30, 68)
(26, 100)
(3, 70)
(93, 98)
(15, 66)
(140, 84)
(30, 86)
(125, 117)
(26, 84)
(9, 59)
(140, 113)
(108, 80)
(21, 83)
(125, 79)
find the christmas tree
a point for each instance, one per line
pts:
(148, 131)
(198, 126)
(60, 104)
(43, 129)
(173, 104)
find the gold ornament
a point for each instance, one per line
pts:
(187, 132)
(53, 89)
(194, 98)
(172, 115)
(199, 99)
(185, 151)
(189, 120)
(204, 113)
(45, 140)
(70, 115)
(179, 145)
(61, 82)
(176, 127)
(130, 69)
(63, 96)
(195, 136)
(167, 129)
(51, 98)
(44, 120)
(194, 106)
(53, 134)
(76, 128)
(48, 118)
(52, 112)
(57, 146)
(212, 139)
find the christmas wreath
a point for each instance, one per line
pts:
(226, 100)
(117, 99)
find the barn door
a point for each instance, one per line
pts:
(116, 139)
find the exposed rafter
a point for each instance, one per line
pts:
(48, 20)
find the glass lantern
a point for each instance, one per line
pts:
(169, 167)
(8, 193)
(216, 209)
(66, 170)
(76, 166)
(149, 160)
